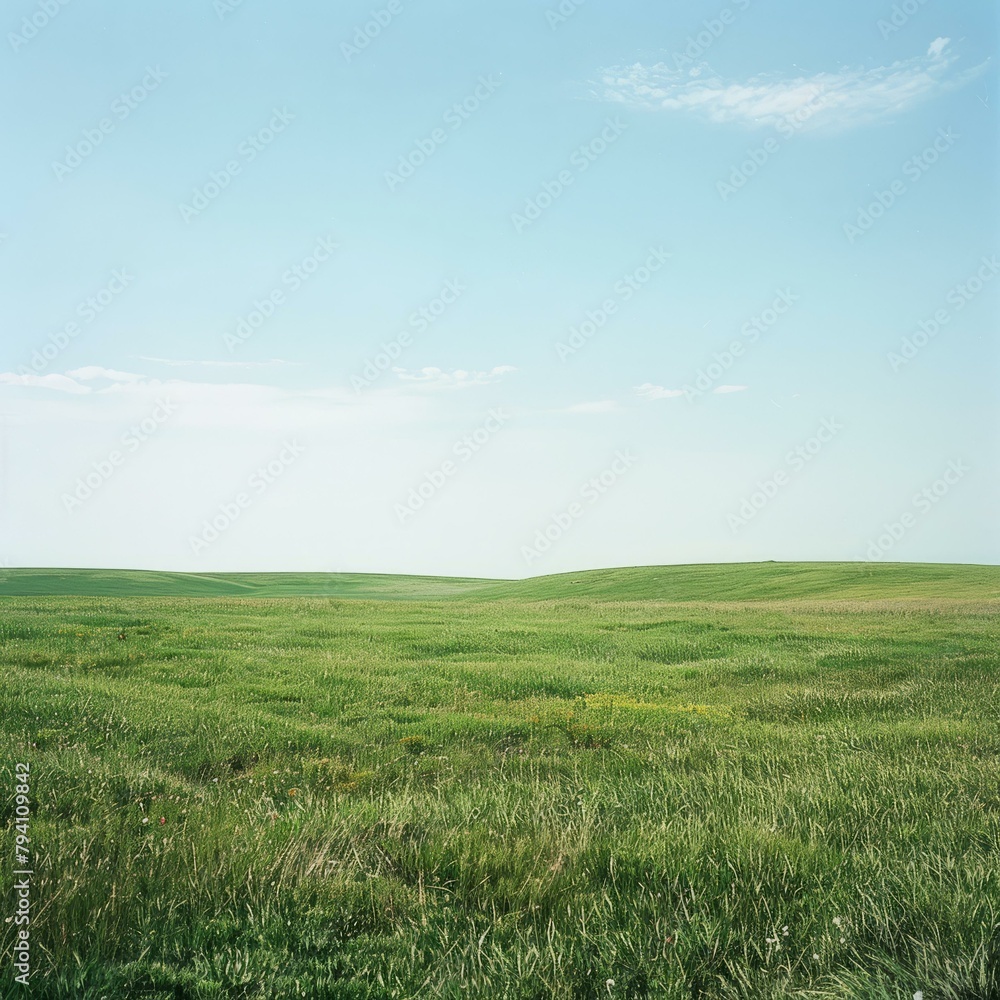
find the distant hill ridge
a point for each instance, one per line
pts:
(699, 582)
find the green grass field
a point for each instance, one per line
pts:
(754, 781)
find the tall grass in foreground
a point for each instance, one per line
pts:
(567, 799)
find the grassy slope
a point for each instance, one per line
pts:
(764, 581)
(706, 582)
(147, 583)
(519, 797)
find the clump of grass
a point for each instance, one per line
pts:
(415, 745)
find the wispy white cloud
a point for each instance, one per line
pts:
(59, 383)
(99, 380)
(438, 378)
(77, 381)
(98, 393)
(649, 391)
(849, 96)
(937, 47)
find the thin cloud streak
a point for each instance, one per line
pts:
(834, 100)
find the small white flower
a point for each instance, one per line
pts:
(815, 955)
(918, 995)
(784, 930)
(842, 940)
(836, 920)
(145, 819)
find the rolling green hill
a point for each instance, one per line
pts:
(571, 787)
(702, 582)
(147, 583)
(764, 581)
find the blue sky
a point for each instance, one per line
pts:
(636, 283)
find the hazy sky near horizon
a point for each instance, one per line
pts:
(498, 289)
